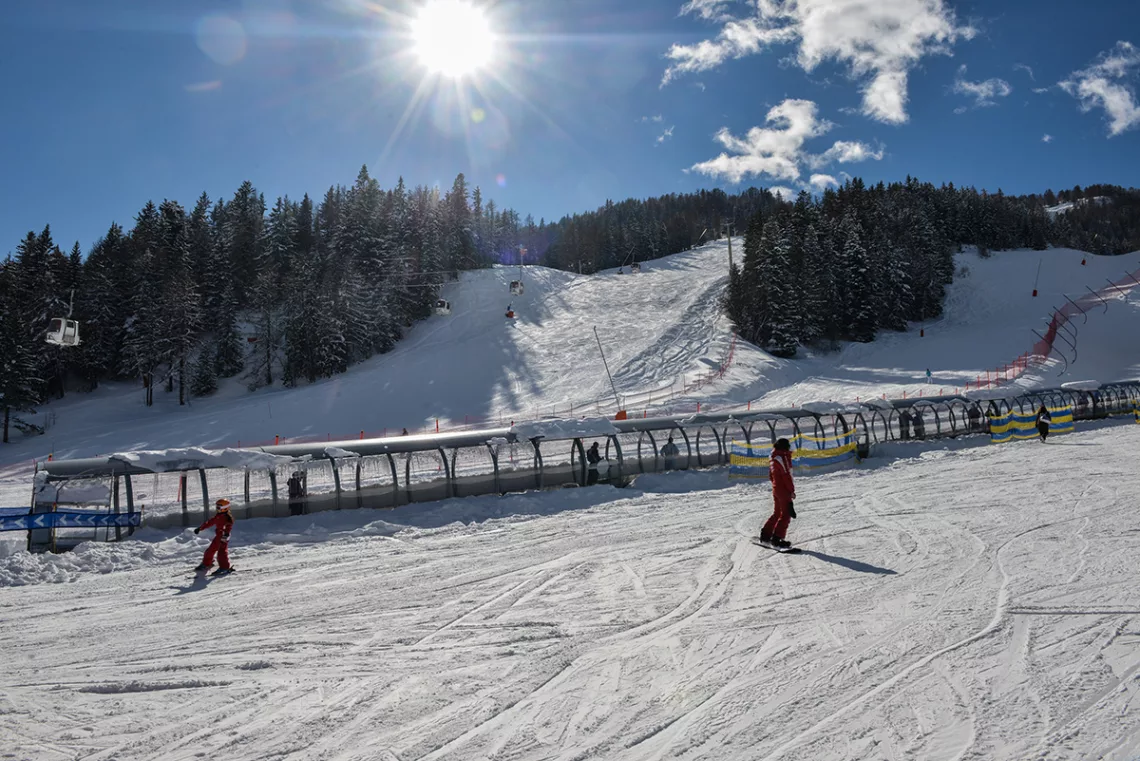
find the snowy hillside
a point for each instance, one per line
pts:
(474, 365)
(990, 314)
(661, 329)
(959, 604)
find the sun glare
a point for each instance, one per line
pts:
(452, 38)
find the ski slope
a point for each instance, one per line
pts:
(472, 366)
(953, 602)
(661, 330)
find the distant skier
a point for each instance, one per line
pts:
(928, 376)
(670, 452)
(223, 523)
(904, 425)
(1043, 421)
(783, 494)
(296, 484)
(593, 457)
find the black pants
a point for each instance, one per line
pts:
(1043, 430)
(592, 476)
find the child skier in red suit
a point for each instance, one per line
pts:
(783, 492)
(223, 523)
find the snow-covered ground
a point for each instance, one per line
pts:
(952, 601)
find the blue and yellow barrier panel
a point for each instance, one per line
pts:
(808, 453)
(1019, 426)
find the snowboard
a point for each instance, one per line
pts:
(206, 573)
(782, 550)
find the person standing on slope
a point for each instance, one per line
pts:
(222, 523)
(593, 457)
(1043, 421)
(783, 492)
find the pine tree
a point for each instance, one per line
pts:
(204, 376)
(860, 283)
(181, 304)
(19, 385)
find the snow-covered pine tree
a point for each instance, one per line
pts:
(19, 385)
(859, 283)
(204, 375)
(245, 220)
(748, 320)
(181, 304)
(142, 349)
(201, 240)
(776, 292)
(817, 290)
(265, 297)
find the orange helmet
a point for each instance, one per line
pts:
(222, 504)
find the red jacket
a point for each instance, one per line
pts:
(222, 523)
(780, 474)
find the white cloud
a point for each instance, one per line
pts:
(783, 193)
(711, 10)
(983, 93)
(1027, 69)
(1047, 139)
(656, 119)
(776, 151)
(1098, 86)
(822, 181)
(879, 41)
(668, 133)
(1040, 90)
(845, 152)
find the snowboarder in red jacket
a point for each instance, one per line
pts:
(783, 492)
(222, 523)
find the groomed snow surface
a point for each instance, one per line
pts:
(953, 600)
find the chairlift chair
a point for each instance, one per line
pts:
(443, 307)
(63, 332)
(516, 287)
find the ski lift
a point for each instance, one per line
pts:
(64, 331)
(443, 307)
(516, 287)
(634, 268)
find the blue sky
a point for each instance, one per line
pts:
(109, 104)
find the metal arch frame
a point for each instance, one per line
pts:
(688, 450)
(656, 451)
(719, 447)
(450, 480)
(578, 447)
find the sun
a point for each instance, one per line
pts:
(452, 38)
